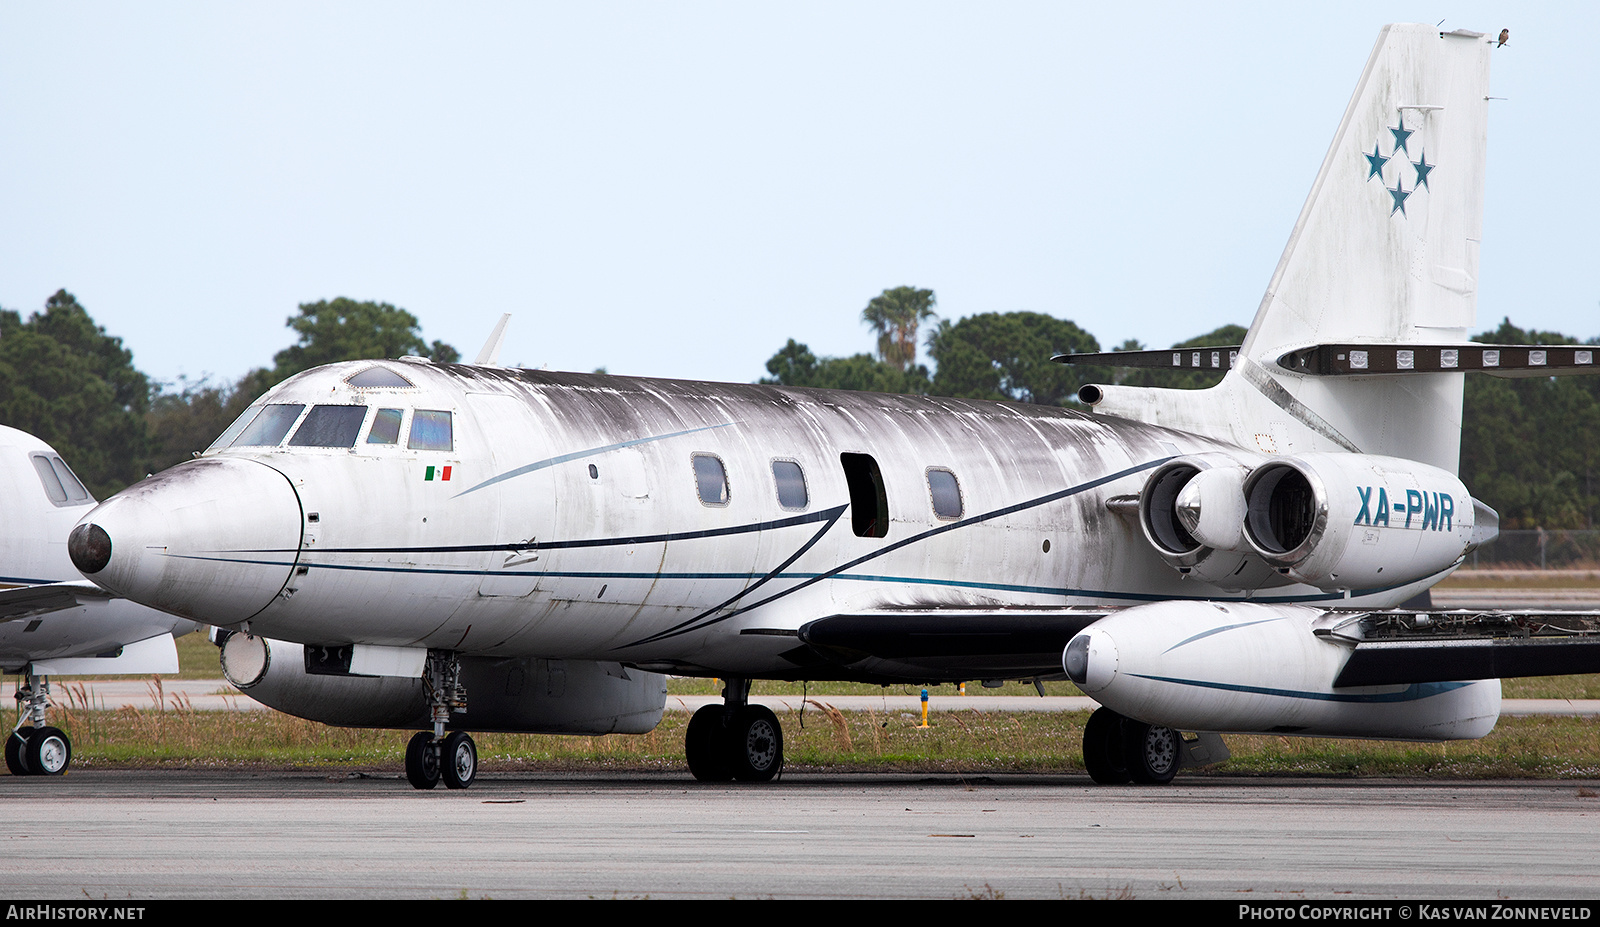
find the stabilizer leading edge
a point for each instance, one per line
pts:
(1385, 251)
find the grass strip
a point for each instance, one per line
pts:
(824, 739)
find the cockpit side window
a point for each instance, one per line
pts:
(430, 431)
(269, 426)
(385, 427)
(330, 426)
(60, 486)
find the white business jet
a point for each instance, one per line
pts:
(51, 625)
(454, 547)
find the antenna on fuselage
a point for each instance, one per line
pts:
(489, 354)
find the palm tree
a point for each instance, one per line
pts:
(895, 315)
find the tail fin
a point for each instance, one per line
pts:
(1385, 251)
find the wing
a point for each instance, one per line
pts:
(949, 644)
(29, 601)
(1403, 647)
(1392, 647)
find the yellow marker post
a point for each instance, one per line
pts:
(924, 723)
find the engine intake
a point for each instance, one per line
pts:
(1191, 511)
(1352, 521)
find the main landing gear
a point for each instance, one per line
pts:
(434, 755)
(1118, 749)
(734, 740)
(36, 749)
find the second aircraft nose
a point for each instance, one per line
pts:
(213, 539)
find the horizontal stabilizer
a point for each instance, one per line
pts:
(29, 601)
(1505, 360)
(950, 644)
(1220, 357)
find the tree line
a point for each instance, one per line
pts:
(1529, 447)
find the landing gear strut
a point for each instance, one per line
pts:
(1118, 749)
(432, 756)
(34, 748)
(734, 740)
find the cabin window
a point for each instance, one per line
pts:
(869, 503)
(430, 431)
(385, 427)
(791, 483)
(945, 492)
(269, 426)
(710, 479)
(378, 378)
(59, 484)
(330, 426)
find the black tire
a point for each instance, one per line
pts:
(1152, 753)
(47, 752)
(422, 761)
(459, 761)
(755, 744)
(14, 745)
(705, 744)
(1103, 748)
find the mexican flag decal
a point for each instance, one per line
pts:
(442, 473)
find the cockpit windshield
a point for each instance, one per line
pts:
(60, 484)
(337, 426)
(269, 426)
(330, 426)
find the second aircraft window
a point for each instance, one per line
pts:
(710, 480)
(791, 482)
(330, 426)
(945, 492)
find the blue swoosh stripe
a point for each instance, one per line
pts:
(575, 455)
(1414, 692)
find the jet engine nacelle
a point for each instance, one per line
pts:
(518, 695)
(1348, 521)
(1192, 511)
(1248, 668)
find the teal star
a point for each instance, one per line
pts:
(1399, 192)
(1423, 169)
(1375, 163)
(1401, 134)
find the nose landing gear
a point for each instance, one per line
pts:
(36, 749)
(432, 756)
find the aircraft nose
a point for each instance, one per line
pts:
(1090, 660)
(214, 539)
(90, 548)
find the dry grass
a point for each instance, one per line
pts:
(1522, 579)
(964, 741)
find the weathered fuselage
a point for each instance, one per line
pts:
(679, 525)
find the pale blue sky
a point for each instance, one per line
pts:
(674, 189)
